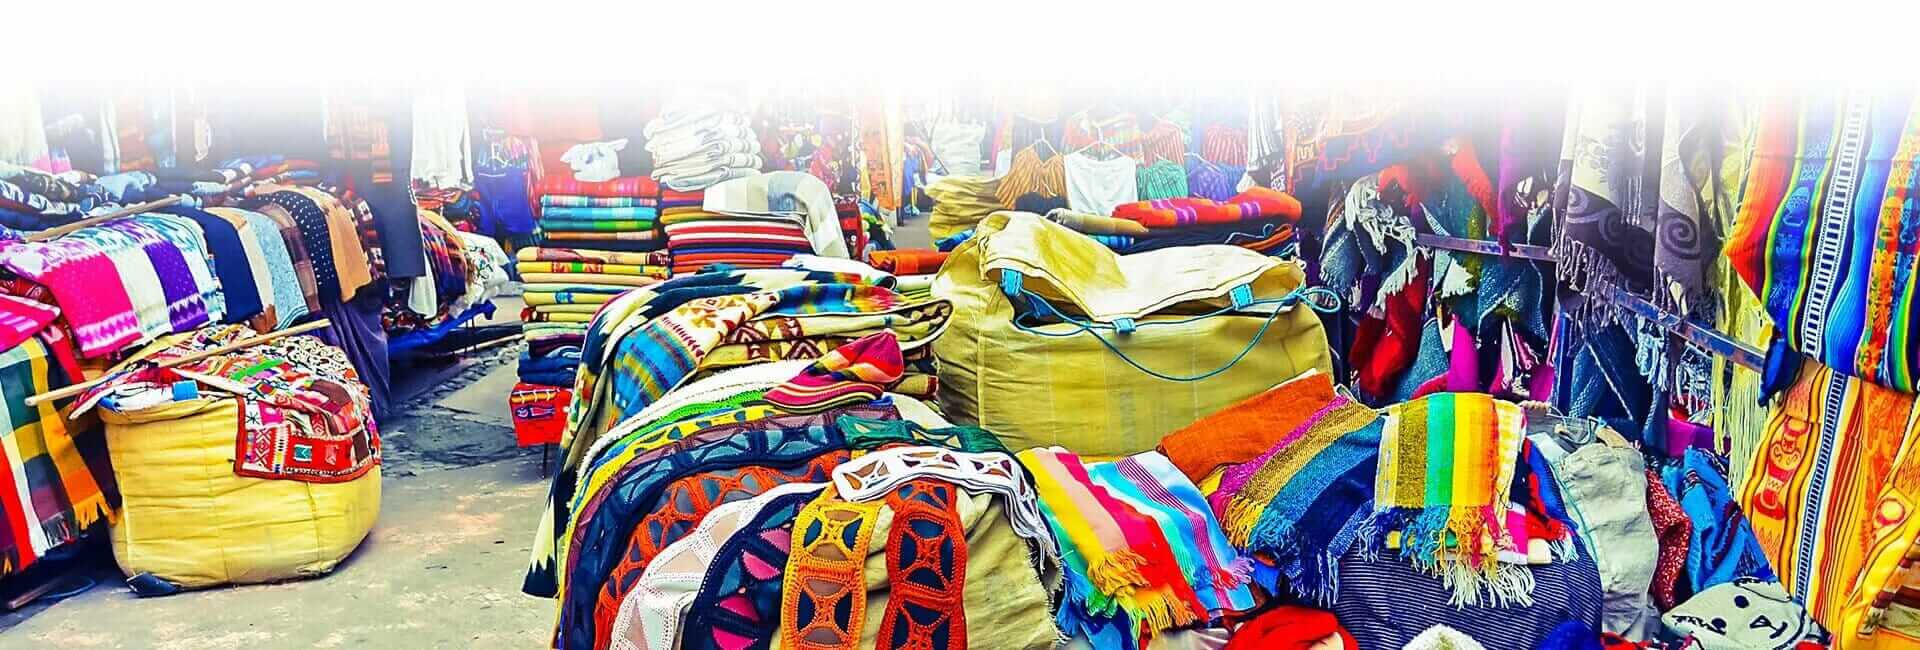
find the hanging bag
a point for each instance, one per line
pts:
(1057, 340)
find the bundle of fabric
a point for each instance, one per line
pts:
(539, 413)
(909, 261)
(1255, 204)
(696, 145)
(621, 214)
(307, 458)
(756, 222)
(645, 343)
(665, 523)
(563, 288)
(456, 279)
(959, 202)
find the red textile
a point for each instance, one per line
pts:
(564, 183)
(909, 261)
(539, 413)
(1259, 203)
(1290, 628)
(1383, 348)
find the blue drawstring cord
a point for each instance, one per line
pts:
(1039, 307)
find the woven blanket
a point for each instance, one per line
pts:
(594, 267)
(579, 278)
(1829, 500)
(1254, 204)
(557, 287)
(565, 224)
(1213, 568)
(51, 489)
(588, 238)
(86, 284)
(538, 298)
(21, 318)
(541, 254)
(909, 261)
(1304, 504)
(576, 201)
(633, 213)
(854, 373)
(631, 186)
(1446, 464)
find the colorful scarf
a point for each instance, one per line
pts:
(681, 507)
(739, 603)
(1150, 484)
(50, 490)
(1446, 464)
(854, 373)
(1241, 432)
(1673, 529)
(1128, 560)
(1830, 498)
(1305, 505)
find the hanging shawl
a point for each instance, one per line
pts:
(1368, 235)
(738, 605)
(49, 491)
(1447, 463)
(1608, 185)
(1127, 558)
(1312, 500)
(650, 615)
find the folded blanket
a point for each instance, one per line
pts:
(575, 201)
(542, 254)
(554, 287)
(590, 278)
(587, 238)
(1242, 432)
(548, 225)
(854, 373)
(594, 267)
(638, 213)
(564, 308)
(565, 298)
(1254, 204)
(908, 261)
(631, 186)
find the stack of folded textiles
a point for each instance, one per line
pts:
(913, 269)
(617, 215)
(563, 288)
(1259, 219)
(754, 223)
(696, 145)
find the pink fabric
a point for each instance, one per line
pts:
(20, 319)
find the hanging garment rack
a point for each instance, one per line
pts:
(1719, 343)
(138, 208)
(248, 342)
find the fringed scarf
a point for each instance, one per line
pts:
(738, 605)
(1151, 484)
(1303, 507)
(1128, 561)
(49, 493)
(1446, 464)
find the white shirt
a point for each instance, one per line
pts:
(1097, 186)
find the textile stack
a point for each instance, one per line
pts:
(764, 378)
(598, 239)
(698, 143)
(913, 268)
(756, 222)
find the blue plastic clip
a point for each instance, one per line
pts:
(1124, 325)
(1242, 296)
(1010, 281)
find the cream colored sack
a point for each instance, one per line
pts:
(1078, 368)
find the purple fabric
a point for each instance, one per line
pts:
(1463, 372)
(185, 309)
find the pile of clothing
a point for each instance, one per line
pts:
(755, 222)
(465, 272)
(563, 287)
(696, 144)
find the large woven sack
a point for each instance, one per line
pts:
(187, 519)
(1056, 340)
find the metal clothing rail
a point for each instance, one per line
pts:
(1715, 341)
(248, 342)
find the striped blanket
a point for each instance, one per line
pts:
(51, 489)
(600, 214)
(631, 186)
(574, 201)
(542, 254)
(594, 267)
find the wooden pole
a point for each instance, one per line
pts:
(60, 231)
(81, 387)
